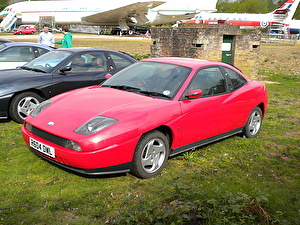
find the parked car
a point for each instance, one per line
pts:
(153, 109)
(58, 71)
(4, 41)
(25, 29)
(15, 54)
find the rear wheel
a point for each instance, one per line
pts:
(151, 154)
(254, 122)
(23, 104)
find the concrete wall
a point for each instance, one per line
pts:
(205, 42)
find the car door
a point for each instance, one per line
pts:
(78, 72)
(212, 113)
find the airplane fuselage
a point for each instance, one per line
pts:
(280, 17)
(241, 19)
(80, 12)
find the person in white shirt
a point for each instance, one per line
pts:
(46, 37)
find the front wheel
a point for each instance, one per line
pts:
(151, 154)
(253, 125)
(22, 105)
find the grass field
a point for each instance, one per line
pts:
(234, 181)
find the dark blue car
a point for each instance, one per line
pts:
(57, 71)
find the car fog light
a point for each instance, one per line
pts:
(72, 145)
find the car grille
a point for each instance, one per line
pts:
(47, 136)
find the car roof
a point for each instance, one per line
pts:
(11, 44)
(187, 62)
(82, 49)
(5, 40)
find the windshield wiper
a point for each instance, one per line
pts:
(25, 68)
(38, 70)
(123, 87)
(153, 93)
(32, 69)
(138, 90)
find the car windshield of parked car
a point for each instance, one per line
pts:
(2, 45)
(45, 63)
(154, 79)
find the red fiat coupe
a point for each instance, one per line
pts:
(153, 109)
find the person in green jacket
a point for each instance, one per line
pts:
(66, 42)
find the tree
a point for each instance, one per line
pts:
(3, 4)
(245, 6)
(251, 6)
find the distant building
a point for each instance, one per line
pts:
(218, 42)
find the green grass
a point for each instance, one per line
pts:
(234, 181)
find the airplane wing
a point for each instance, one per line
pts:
(163, 18)
(122, 16)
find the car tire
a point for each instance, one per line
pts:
(253, 125)
(23, 104)
(151, 155)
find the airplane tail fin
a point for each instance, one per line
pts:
(286, 10)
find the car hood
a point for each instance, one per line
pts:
(133, 111)
(16, 74)
(17, 80)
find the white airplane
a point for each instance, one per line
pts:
(122, 13)
(279, 17)
(294, 27)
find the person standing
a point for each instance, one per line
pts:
(46, 37)
(66, 42)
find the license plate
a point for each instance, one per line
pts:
(45, 149)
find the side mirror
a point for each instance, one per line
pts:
(107, 76)
(65, 69)
(196, 93)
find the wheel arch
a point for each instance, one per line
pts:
(262, 106)
(165, 130)
(27, 90)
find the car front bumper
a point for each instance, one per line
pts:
(110, 160)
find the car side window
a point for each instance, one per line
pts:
(78, 64)
(42, 51)
(210, 80)
(236, 79)
(119, 61)
(17, 54)
(96, 62)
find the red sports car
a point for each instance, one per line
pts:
(154, 109)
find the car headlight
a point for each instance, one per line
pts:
(40, 108)
(94, 125)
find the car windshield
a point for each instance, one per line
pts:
(48, 61)
(154, 79)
